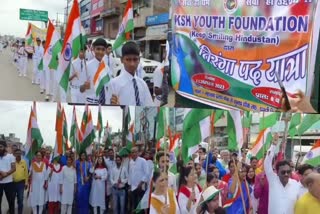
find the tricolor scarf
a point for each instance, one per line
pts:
(53, 169)
(184, 190)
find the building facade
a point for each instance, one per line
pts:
(85, 15)
(97, 6)
(111, 18)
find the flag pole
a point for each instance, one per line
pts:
(240, 186)
(301, 115)
(166, 147)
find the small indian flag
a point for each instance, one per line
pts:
(130, 137)
(125, 27)
(262, 144)
(29, 38)
(100, 78)
(313, 156)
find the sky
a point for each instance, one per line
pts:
(14, 117)
(9, 14)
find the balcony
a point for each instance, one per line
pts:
(110, 12)
(140, 17)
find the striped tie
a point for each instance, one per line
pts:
(102, 98)
(136, 92)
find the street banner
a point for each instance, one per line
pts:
(234, 54)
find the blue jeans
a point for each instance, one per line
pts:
(19, 192)
(119, 197)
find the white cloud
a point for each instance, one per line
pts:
(14, 116)
(9, 14)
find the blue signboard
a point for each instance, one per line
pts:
(157, 19)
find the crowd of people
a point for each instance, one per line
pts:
(110, 181)
(84, 71)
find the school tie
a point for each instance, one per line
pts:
(102, 98)
(108, 61)
(136, 91)
(81, 65)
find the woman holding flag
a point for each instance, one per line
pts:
(163, 200)
(189, 190)
(239, 192)
(98, 189)
(84, 184)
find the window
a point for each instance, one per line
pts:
(99, 25)
(86, 23)
(95, 5)
(100, 4)
(115, 25)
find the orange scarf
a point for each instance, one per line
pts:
(157, 204)
(36, 168)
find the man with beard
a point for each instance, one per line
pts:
(7, 167)
(283, 191)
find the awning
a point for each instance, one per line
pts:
(154, 37)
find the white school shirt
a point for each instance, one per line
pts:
(22, 52)
(157, 82)
(122, 87)
(137, 172)
(38, 52)
(89, 55)
(5, 166)
(109, 61)
(82, 75)
(115, 175)
(281, 199)
(92, 67)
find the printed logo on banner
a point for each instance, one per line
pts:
(230, 6)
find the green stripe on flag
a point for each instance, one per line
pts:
(102, 83)
(56, 49)
(269, 121)
(64, 82)
(265, 147)
(295, 121)
(307, 122)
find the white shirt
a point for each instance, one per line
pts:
(157, 82)
(164, 201)
(140, 72)
(81, 70)
(281, 199)
(38, 52)
(172, 182)
(89, 54)
(22, 52)
(117, 173)
(122, 87)
(137, 172)
(109, 61)
(5, 166)
(92, 67)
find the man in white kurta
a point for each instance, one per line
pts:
(67, 187)
(283, 191)
(78, 75)
(36, 57)
(37, 197)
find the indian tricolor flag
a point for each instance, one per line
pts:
(58, 150)
(313, 156)
(101, 78)
(29, 38)
(75, 133)
(99, 123)
(88, 134)
(71, 46)
(130, 140)
(261, 144)
(196, 128)
(235, 130)
(52, 48)
(126, 26)
(34, 137)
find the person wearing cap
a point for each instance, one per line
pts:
(22, 60)
(99, 47)
(163, 200)
(7, 168)
(78, 75)
(37, 55)
(210, 202)
(128, 88)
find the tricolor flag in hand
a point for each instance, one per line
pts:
(126, 26)
(101, 78)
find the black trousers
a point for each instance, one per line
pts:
(136, 197)
(9, 190)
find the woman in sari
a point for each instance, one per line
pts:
(163, 199)
(189, 190)
(83, 184)
(239, 192)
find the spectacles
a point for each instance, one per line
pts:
(285, 172)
